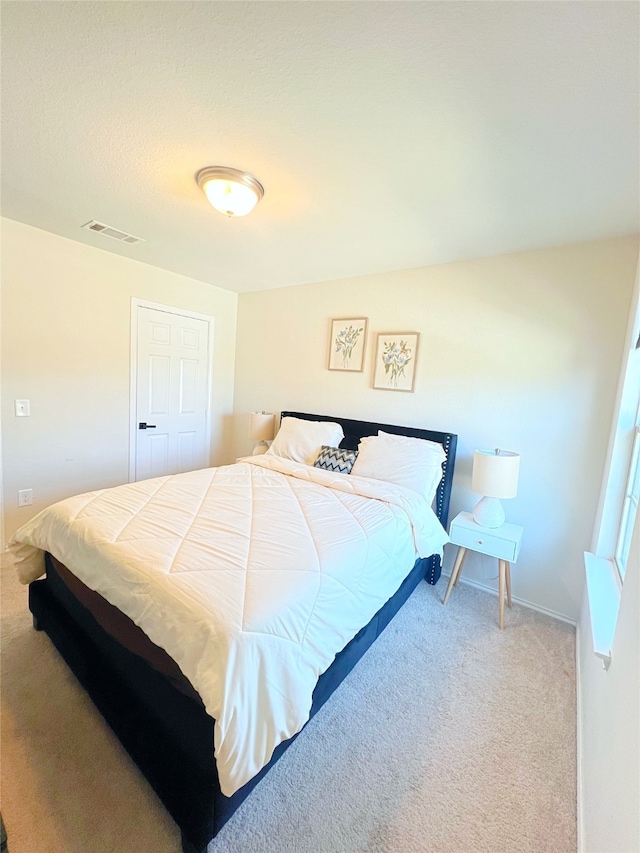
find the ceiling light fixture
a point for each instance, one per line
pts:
(230, 191)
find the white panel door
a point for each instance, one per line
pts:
(172, 382)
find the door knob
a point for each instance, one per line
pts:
(144, 425)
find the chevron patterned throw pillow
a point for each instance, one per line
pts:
(335, 459)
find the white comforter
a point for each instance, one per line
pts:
(251, 576)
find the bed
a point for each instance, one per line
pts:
(155, 695)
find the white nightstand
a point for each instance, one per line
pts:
(501, 542)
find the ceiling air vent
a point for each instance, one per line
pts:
(108, 231)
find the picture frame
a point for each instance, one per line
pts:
(347, 344)
(394, 366)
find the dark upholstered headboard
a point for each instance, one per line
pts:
(355, 430)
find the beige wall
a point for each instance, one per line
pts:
(516, 351)
(66, 347)
(519, 351)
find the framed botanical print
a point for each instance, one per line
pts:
(347, 344)
(395, 361)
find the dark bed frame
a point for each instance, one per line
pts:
(168, 734)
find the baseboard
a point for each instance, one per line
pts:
(579, 809)
(560, 616)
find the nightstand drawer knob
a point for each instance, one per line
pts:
(480, 542)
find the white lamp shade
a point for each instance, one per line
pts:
(495, 473)
(261, 427)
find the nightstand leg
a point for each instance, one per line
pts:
(454, 572)
(501, 565)
(459, 574)
(508, 579)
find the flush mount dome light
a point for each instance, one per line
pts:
(230, 191)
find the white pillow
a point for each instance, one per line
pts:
(412, 462)
(302, 440)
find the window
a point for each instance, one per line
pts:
(622, 477)
(606, 564)
(629, 508)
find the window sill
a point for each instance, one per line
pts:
(603, 592)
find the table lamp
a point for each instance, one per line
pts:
(495, 476)
(261, 429)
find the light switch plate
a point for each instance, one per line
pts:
(23, 408)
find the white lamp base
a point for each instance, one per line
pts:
(261, 447)
(488, 512)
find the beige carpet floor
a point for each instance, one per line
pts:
(449, 737)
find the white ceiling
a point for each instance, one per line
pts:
(387, 135)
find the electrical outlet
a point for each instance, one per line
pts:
(25, 497)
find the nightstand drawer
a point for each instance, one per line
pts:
(493, 546)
